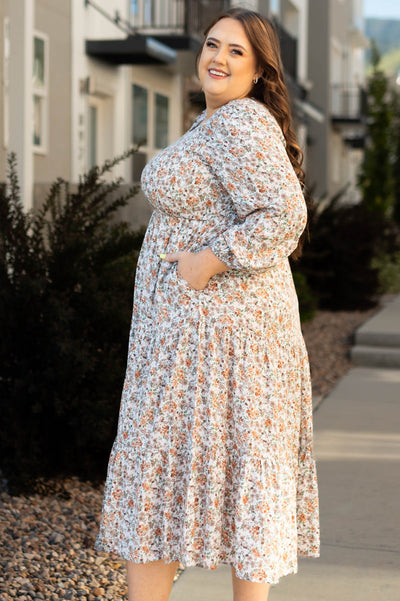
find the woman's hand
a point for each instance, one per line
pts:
(196, 268)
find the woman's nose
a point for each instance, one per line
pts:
(220, 55)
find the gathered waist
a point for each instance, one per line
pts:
(210, 220)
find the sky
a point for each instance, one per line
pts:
(383, 9)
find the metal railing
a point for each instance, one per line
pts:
(348, 102)
(174, 16)
(288, 45)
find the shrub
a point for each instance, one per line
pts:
(376, 174)
(396, 157)
(388, 267)
(66, 276)
(307, 301)
(338, 260)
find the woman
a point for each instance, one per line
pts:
(213, 459)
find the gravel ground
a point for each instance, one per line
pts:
(46, 544)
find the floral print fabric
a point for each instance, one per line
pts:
(213, 460)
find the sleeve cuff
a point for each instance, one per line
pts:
(222, 251)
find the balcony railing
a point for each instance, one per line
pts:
(348, 103)
(288, 45)
(174, 16)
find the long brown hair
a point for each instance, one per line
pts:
(271, 88)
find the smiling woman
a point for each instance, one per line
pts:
(213, 459)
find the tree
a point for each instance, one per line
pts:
(375, 179)
(396, 157)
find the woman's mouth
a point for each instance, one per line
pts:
(217, 74)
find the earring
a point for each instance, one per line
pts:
(255, 80)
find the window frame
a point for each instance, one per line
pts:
(146, 148)
(93, 104)
(150, 149)
(43, 94)
(155, 94)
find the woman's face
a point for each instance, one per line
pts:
(227, 64)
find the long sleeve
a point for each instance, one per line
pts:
(255, 171)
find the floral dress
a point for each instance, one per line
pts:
(213, 459)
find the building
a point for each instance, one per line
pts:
(336, 48)
(96, 80)
(100, 75)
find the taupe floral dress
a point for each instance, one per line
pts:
(213, 460)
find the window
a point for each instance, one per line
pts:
(150, 126)
(40, 91)
(336, 159)
(38, 121)
(140, 110)
(140, 125)
(161, 121)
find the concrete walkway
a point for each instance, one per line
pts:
(357, 448)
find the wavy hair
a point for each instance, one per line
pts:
(271, 88)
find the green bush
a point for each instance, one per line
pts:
(307, 301)
(66, 278)
(337, 262)
(388, 267)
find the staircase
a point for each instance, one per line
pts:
(377, 342)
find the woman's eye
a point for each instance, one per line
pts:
(211, 44)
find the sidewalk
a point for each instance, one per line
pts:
(357, 448)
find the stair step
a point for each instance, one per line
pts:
(375, 356)
(383, 329)
(381, 339)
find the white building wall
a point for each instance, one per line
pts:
(97, 84)
(20, 106)
(347, 47)
(358, 44)
(97, 26)
(302, 6)
(122, 117)
(110, 90)
(79, 72)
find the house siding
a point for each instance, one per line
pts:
(54, 20)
